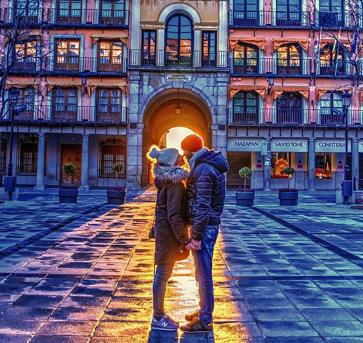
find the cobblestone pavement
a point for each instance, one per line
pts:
(83, 273)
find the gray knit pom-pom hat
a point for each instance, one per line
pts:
(165, 157)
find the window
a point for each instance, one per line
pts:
(111, 154)
(25, 56)
(331, 13)
(3, 157)
(65, 104)
(112, 11)
(27, 9)
(289, 60)
(245, 59)
(69, 11)
(289, 108)
(179, 41)
(280, 161)
(110, 56)
(148, 47)
(245, 12)
(20, 97)
(245, 107)
(67, 55)
(332, 60)
(288, 13)
(323, 165)
(209, 57)
(331, 108)
(109, 105)
(27, 163)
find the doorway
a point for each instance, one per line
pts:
(71, 153)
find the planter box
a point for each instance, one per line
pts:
(68, 195)
(245, 198)
(288, 197)
(116, 196)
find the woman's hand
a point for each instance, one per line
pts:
(194, 245)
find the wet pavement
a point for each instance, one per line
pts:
(83, 273)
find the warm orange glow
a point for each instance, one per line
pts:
(175, 136)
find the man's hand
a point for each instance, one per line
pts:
(194, 245)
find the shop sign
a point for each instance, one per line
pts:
(331, 145)
(289, 145)
(244, 144)
(178, 77)
(360, 146)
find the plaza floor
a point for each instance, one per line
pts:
(83, 273)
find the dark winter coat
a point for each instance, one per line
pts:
(206, 188)
(171, 233)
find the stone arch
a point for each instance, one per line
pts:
(168, 10)
(159, 116)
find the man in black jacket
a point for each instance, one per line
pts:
(206, 188)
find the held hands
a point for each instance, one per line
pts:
(194, 245)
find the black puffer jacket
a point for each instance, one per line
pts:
(206, 189)
(171, 233)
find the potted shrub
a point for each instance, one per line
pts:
(245, 196)
(68, 194)
(289, 196)
(116, 195)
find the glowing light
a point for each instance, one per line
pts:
(175, 136)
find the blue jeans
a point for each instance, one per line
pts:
(162, 275)
(203, 263)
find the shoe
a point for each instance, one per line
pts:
(190, 317)
(197, 326)
(164, 324)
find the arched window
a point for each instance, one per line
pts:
(245, 107)
(331, 108)
(331, 60)
(288, 12)
(179, 43)
(289, 108)
(245, 12)
(331, 13)
(22, 96)
(289, 60)
(245, 59)
(65, 104)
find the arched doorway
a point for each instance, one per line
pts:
(170, 109)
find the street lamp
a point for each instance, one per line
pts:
(10, 180)
(270, 81)
(347, 186)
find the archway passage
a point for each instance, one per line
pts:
(173, 137)
(173, 108)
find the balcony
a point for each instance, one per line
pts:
(332, 19)
(244, 116)
(330, 68)
(289, 116)
(262, 66)
(75, 65)
(162, 59)
(241, 19)
(56, 17)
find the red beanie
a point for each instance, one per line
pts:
(192, 143)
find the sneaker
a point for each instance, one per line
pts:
(164, 324)
(190, 317)
(197, 326)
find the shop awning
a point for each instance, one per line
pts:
(259, 42)
(54, 82)
(324, 90)
(278, 42)
(277, 91)
(260, 90)
(331, 41)
(92, 84)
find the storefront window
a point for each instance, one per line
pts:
(323, 166)
(280, 161)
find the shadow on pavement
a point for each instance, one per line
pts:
(157, 336)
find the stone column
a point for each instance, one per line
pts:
(134, 157)
(267, 167)
(40, 161)
(311, 164)
(197, 53)
(85, 158)
(355, 162)
(223, 33)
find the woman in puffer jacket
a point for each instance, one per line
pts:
(171, 234)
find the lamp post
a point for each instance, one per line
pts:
(10, 180)
(347, 187)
